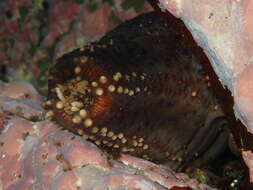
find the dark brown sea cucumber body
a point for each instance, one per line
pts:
(141, 90)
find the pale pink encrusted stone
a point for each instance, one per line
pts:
(38, 155)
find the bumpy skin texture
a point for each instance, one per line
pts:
(36, 155)
(141, 90)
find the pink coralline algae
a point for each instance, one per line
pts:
(224, 30)
(36, 154)
(37, 31)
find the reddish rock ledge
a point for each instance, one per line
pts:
(36, 154)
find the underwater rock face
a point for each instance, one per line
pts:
(141, 90)
(35, 154)
(224, 30)
(36, 32)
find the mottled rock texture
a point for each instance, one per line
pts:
(224, 30)
(37, 31)
(36, 154)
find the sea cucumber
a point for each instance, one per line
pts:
(141, 90)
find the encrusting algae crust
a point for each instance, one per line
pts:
(142, 91)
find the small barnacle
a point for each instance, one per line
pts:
(94, 84)
(59, 105)
(77, 70)
(140, 144)
(91, 137)
(59, 93)
(76, 104)
(83, 113)
(135, 143)
(99, 91)
(97, 142)
(123, 140)
(48, 103)
(110, 144)
(80, 132)
(120, 135)
(111, 88)
(74, 109)
(117, 76)
(194, 93)
(216, 107)
(142, 77)
(120, 89)
(85, 136)
(126, 90)
(103, 79)
(104, 130)
(83, 59)
(49, 113)
(110, 134)
(131, 93)
(88, 122)
(134, 74)
(114, 137)
(94, 130)
(137, 89)
(77, 119)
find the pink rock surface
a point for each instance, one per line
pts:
(91, 25)
(37, 154)
(224, 30)
(37, 31)
(248, 157)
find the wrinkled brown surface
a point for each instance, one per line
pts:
(174, 114)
